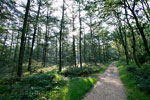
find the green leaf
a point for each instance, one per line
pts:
(87, 8)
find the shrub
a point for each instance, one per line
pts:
(142, 76)
(38, 80)
(143, 58)
(131, 69)
(85, 71)
(32, 87)
(132, 87)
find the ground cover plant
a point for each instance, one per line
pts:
(50, 85)
(138, 86)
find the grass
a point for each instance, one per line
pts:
(134, 93)
(76, 87)
(74, 90)
(49, 85)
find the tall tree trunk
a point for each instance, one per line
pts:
(84, 48)
(4, 44)
(38, 44)
(3, 50)
(104, 57)
(118, 50)
(22, 48)
(33, 39)
(16, 50)
(99, 49)
(74, 46)
(123, 39)
(46, 40)
(60, 38)
(91, 33)
(140, 28)
(124, 44)
(56, 50)
(93, 48)
(133, 38)
(80, 45)
(146, 13)
(74, 50)
(11, 45)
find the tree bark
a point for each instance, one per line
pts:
(11, 45)
(84, 48)
(133, 38)
(124, 45)
(60, 38)
(22, 46)
(74, 50)
(140, 28)
(80, 47)
(56, 50)
(33, 39)
(46, 40)
(99, 47)
(3, 50)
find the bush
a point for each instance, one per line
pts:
(131, 69)
(141, 75)
(143, 58)
(85, 71)
(32, 87)
(39, 80)
(132, 87)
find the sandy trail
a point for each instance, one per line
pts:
(109, 86)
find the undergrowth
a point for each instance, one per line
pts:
(52, 86)
(31, 87)
(85, 71)
(136, 80)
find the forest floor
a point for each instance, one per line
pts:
(44, 83)
(109, 86)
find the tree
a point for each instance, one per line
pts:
(133, 38)
(34, 34)
(60, 36)
(22, 45)
(80, 45)
(138, 24)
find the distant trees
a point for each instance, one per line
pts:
(131, 28)
(39, 33)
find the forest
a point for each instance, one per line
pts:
(74, 49)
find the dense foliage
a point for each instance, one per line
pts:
(142, 76)
(135, 81)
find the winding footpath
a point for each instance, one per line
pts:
(109, 86)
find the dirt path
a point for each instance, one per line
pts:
(109, 86)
